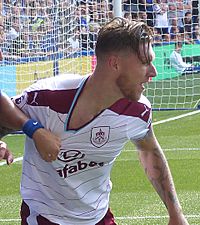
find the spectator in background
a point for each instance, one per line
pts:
(195, 12)
(24, 15)
(65, 9)
(74, 43)
(51, 8)
(196, 34)
(103, 8)
(16, 11)
(187, 23)
(126, 5)
(6, 8)
(174, 31)
(110, 9)
(178, 64)
(173, 20)
(134, 7)
(150, 12)
(84, 15)
(25, 43)
(131, 6)
(128, 15)
(84, 39)
(35, 19)
(182, 8)
(142, 16)
(49, 43)
(2, 35)
(172, 13)
(42, 13)
(161, 19)
(92, 9)
(94, 27)
(35, 46)
(12, 37)
(83, 21)
(157, 37)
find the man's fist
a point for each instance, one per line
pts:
(47, 144)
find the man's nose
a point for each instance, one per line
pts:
(152, 71)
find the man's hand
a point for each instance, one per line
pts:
(47, 144)
(180, 220)
(5, 153)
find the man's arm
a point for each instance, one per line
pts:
(157, 170)
(12, 119)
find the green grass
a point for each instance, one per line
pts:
(133, 200)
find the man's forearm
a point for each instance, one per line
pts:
(10, 116)
(157, 170)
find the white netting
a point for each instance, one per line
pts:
(44, 38)
(175, 24)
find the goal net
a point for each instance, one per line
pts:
(45, 38)
(176, 43)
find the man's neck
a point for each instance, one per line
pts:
(101, 91)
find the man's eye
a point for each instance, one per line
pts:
(146, 63)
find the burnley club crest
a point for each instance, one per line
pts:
(100, 136)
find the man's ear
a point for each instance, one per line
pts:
(113, 62)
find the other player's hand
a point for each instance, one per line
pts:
(47, 144)
(5, 153)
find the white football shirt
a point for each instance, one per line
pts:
(75, 188)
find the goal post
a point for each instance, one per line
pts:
(117, 8)
(47, 38)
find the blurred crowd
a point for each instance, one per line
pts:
(171, 20)
(43, 27)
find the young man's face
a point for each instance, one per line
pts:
(178, 48)
(188, 17)
(134, 73)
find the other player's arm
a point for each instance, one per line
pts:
(12, 119)
(157, 170)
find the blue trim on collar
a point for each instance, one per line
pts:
(73, 103)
